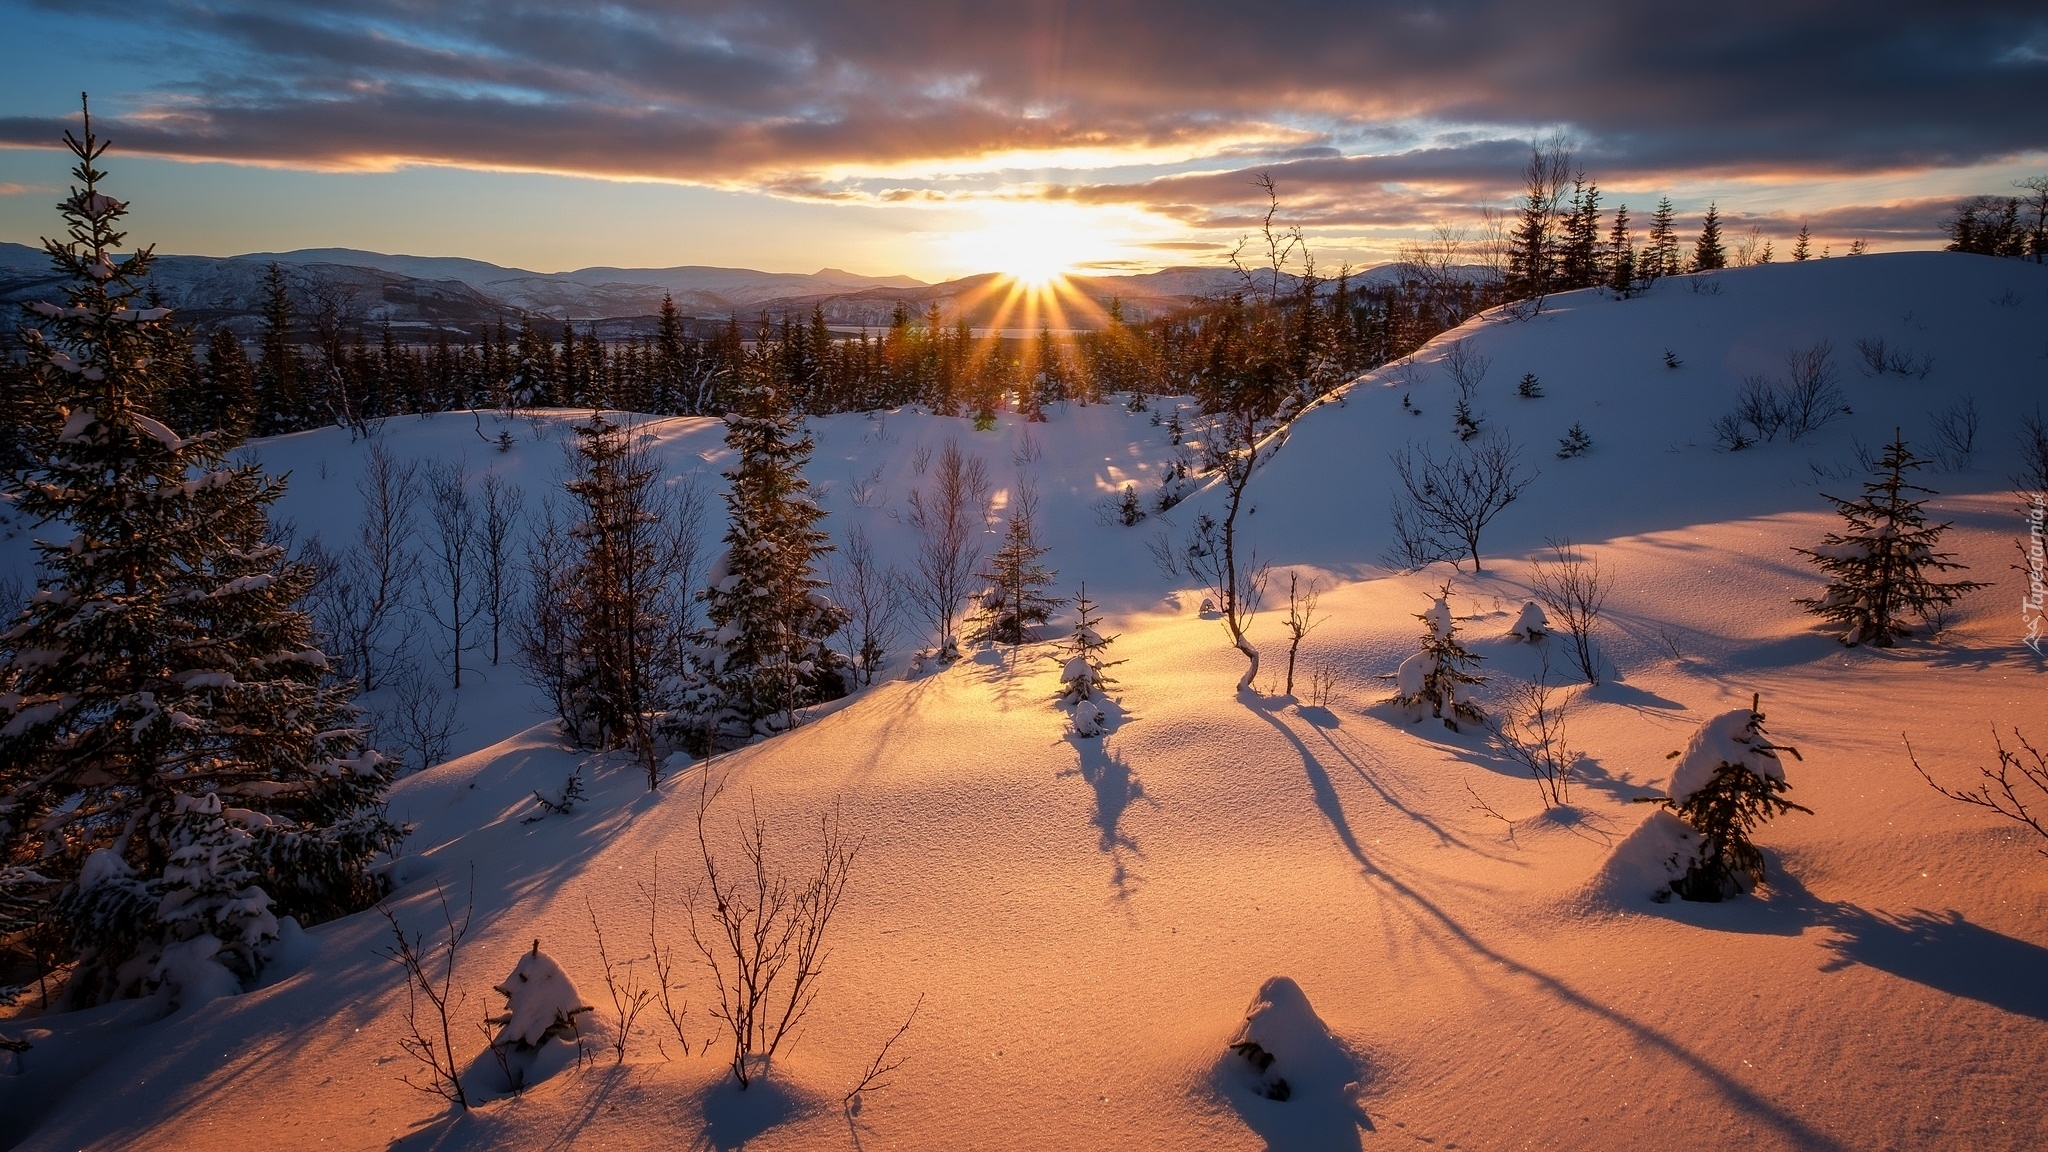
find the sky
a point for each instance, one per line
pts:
(938, 139)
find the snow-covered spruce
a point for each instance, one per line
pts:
(764, 655)
(1285, 1054)
(176, 766)
(1084, 679)
(1531, 624)
(1879, 567)
(541, 1003)
(541, 1006)
(1728, 780)
(1437, 676)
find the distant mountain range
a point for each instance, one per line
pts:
(421, 295)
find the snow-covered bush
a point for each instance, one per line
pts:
(1728, 780)
(1284, 1068)
(541, 1003)
(1084, 679)
(1531, 624)
(1437, 676)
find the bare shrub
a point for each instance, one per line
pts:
(629, 995)
(418, 720)
(1415, 543)
(453, 549)
(1530, 730)
(1811, 397)
(1465, 366)
(430, 998)
(540, 634)
(950, 519)
(2016, 789)
(1301, 620)
(863, 489)
(1451, 500)
(1955, 435)
(1730, 433)
(1881, 360)
(1573, 593)
(1757, 405)
(2033, 438)
(663, 956)
(1322, 685)
(502, 504)
(869, 592)
(761, 932)
(871, 1079)
(362, 591)
(1235, 581)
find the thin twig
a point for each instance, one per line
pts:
(881, 1065)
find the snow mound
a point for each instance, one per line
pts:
(192, 974)
(1646, 862)
(1292, 1080)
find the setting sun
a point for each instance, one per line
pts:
(1033, 244)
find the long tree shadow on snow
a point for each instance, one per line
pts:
(1322, 721)
(1945, 952)
(1479, 961)
(1116, 788)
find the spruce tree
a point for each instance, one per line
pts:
(1661, 257)
(1015, 600)
(614, 675)
(1439, 674)
(280, 398)
(1707, 253)
(228, 404)
(177, 770)
(1084, 675)
(1582, 236)
(1728, 782)
(765, 655)
(1879, 568)
(1621, 256)
(1802, 248)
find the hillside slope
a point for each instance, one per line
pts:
(1088, 920)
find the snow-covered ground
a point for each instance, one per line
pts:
(1090, 922)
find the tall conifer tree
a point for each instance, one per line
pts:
(176, 768)
(1707, 253)
(764, 655)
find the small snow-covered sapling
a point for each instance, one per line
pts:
(1437, 675)
(1529, 388)
(1466, 424)
(1671, 359)
(1128, 510)
(540, 1003)
(1728, 780)
(1574, 443)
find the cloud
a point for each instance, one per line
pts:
(1370, 114)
